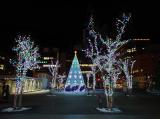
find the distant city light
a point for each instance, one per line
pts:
(87, 65)
(49, 65)
(1, 66)
(142, 39)
(86, 72)
(47, 58)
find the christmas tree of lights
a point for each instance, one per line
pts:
(75, 81)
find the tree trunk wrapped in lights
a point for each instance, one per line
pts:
(88, 84)
(27, 55)
(127, 67)
(94, 77)
(103, 53)
(54, 71)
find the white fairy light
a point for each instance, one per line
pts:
(106, 58)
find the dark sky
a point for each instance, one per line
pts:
(61, 23)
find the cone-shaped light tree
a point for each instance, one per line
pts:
(75, 81)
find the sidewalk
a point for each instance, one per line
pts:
(3, 103)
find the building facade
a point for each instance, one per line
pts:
(147, 55)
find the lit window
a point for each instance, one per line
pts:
(46, 58)
(48, 65)
(1, 66)
(129, 50)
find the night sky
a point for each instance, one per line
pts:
(61, 23)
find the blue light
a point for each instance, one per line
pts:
(75, 82)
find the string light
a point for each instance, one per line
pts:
(125, 66)
(53, 69)
(106, 58)
(27, 58)
(75, 81)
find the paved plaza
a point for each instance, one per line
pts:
(73, 106)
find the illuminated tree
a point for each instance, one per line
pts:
(88, 76)
(127, 67)
(61, 79)
(105, 56)
(93, 51)
(27, 55)
(53, 69)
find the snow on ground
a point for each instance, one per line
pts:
(106, 110)
(11, 109)
(36, 92)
